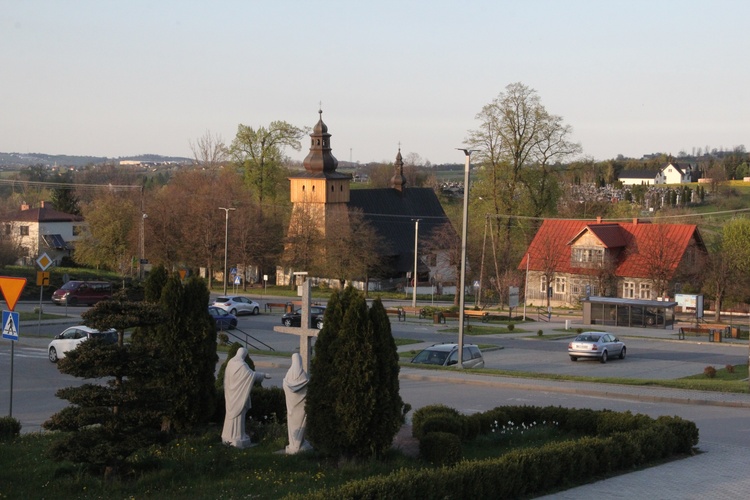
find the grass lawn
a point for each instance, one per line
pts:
(201, 467)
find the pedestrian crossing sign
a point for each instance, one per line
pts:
(10, 325)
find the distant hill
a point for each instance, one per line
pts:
(18, 160)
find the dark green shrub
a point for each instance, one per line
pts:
(511, 326)
(267, 403)
(441, 448)
(709, 371)
(9, 428)
(422, 414)
(472, 426)
(451, 424)
(540, 332)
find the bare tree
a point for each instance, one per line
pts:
(209, 151)
(516, 132)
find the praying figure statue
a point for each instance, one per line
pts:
(295, 390)
(238, 383)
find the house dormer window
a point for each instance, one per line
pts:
(24, 230)
(586, 256)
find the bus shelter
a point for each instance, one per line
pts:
(613, 311)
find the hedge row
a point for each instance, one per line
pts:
(614, 442)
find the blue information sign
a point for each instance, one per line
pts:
(10, 325)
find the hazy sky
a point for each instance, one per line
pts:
(118, 78)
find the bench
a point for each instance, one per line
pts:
(710, 330)
(417, 311)
(397, 311)
(270, 305)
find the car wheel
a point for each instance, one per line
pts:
(650, 321)
(604, 357)
(573, 358)
(233, 312)
(622, 353)
(71, 301)
(287, 322)
(53, 354)
(319, 324)
(256, 311)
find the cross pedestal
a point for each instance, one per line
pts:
(304, 332)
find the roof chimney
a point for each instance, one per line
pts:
(24, 206)
(635, 221)
(599, 219)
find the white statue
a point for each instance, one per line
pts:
(238, 382)
(295, 390)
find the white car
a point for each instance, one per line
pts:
(237, 304)
(71, 337)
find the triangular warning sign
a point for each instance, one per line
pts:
(12, 288)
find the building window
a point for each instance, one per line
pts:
(24, 230)
(560, 285)
(543, 285)
(628, 290)
(7, 229)
(645, 291)
(588, 255)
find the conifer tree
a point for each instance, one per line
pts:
(187, 339)
(353, 405)
(107, 423)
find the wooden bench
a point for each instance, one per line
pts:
(708, 330)
(417, 311)
(270, 305)
(397, 311)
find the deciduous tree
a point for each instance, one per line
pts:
(260, 153)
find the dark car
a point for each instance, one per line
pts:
(295, 318)
(224, 320)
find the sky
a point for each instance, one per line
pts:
(128, 77)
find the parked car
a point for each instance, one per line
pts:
(224, 320)
(447, 355)
(598, 345)
(237, 304)
(295, 318)
(70, 338)
(82, 292)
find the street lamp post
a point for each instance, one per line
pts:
(226, 241)
(416, 240)
(462, 290)
(142, 252)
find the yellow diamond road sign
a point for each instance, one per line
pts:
(44, 261)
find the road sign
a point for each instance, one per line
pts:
(11, 288)
(233, 270)
(237, 280)
(42, 278)
(44, 261)
(10, 325)
(513, 296)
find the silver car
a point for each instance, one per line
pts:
(597, 345)
(447, 355)
(237, 304)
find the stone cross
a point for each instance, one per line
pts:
(304, 332)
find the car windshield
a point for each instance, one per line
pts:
(70, 285)
(431, 357)
(223, 299)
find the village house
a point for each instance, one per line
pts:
(43, 230)
(569, 260)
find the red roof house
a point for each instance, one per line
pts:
(571, 259)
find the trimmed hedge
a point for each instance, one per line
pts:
(613, 442)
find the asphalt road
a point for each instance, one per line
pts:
(35, 379)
